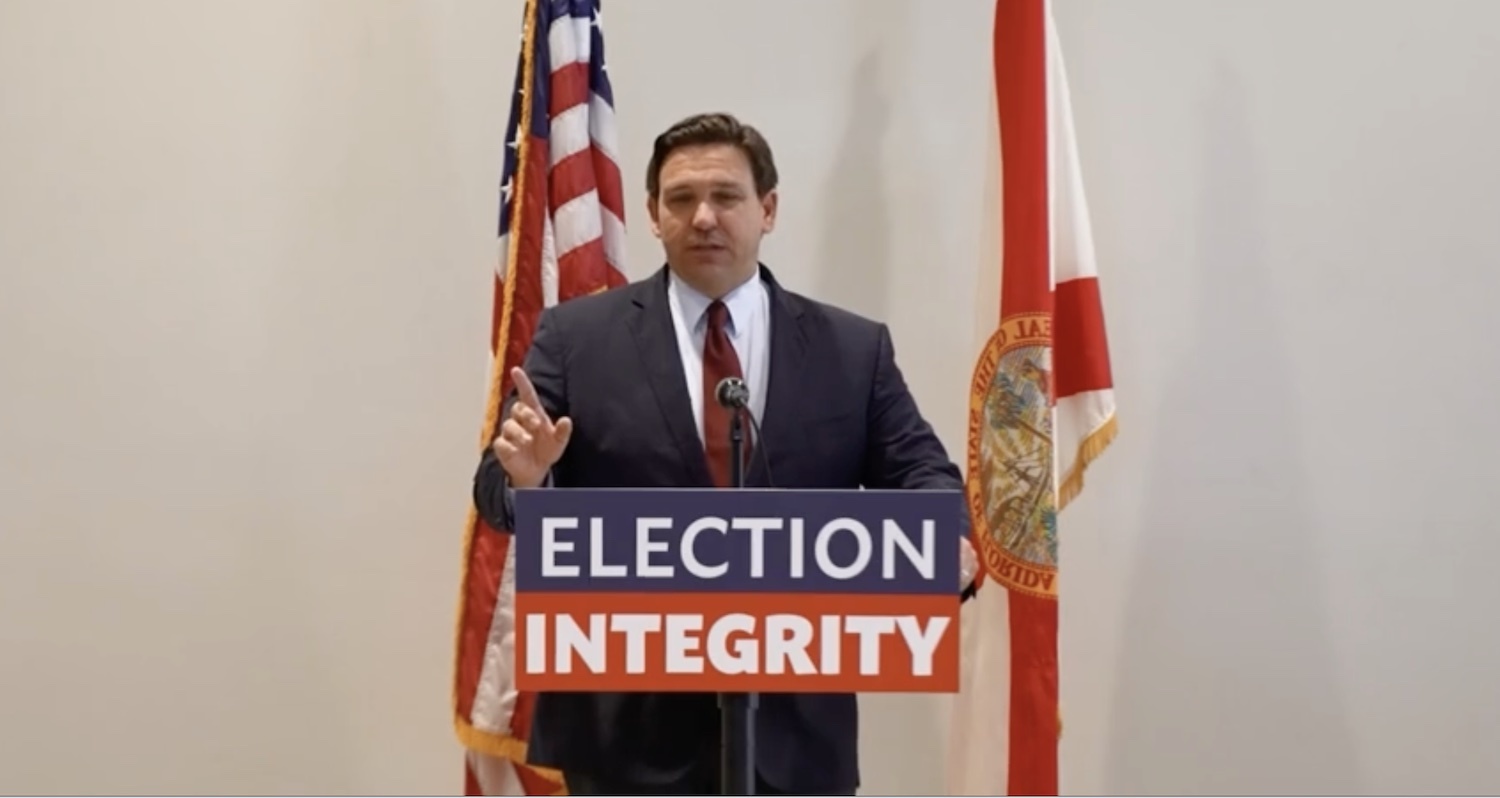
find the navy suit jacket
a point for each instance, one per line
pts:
(838, 415)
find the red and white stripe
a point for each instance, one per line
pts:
(565, 238)
(586, 203)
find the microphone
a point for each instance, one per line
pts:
(732, 393)
(737, 711)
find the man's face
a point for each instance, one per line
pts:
(709, 218)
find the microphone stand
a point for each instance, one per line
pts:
(737, 710)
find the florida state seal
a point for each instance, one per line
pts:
(1011, 482)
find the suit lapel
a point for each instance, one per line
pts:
(784, 392)
(661, 361)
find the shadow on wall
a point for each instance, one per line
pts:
(854, 271)
(337, 262)
(1227, 684)
(854, 252)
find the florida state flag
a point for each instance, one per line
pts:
(1041, 409)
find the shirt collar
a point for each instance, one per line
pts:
(694, 304)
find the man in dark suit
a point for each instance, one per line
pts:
(618, 391)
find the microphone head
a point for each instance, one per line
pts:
(732, 393)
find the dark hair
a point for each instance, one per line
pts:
(714, 128)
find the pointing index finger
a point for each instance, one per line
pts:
(527, 391)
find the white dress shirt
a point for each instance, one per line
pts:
(749, 329)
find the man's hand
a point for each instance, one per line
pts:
(968, 564)
(529, 442)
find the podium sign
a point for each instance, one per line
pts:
(731, 591)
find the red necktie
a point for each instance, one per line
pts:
(719, 362)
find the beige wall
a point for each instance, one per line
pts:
(244, 258)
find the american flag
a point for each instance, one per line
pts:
(562, 235)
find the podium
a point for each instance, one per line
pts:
(737, 592)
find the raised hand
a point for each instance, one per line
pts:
(530, 442)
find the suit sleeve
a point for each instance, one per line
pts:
(904, 452)
(546, 366)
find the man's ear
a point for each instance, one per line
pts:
(768, 212)
(651, 212)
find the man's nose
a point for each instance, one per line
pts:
(704, 218)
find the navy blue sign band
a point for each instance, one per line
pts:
(773, 541)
